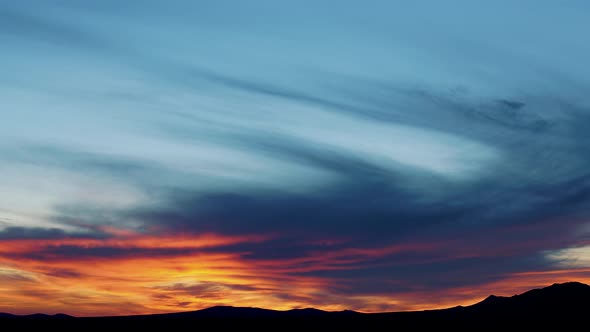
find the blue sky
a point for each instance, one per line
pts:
(375, 123)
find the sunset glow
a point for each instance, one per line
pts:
(134, 274)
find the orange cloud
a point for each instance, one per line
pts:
(132, 273)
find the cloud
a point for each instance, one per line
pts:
(62, 273)
(70, 252)
(367, 204)
(570, 258)
(38, 233)
(15, 276)
(204, 289)
(22, 24)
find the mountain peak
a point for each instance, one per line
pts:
(572, 288)
(492, 300)
(570, 285)
(558, 300)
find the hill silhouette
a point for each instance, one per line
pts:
(565, 302)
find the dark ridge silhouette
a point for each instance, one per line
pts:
(36, 316)
(559, 300)
(567, 302)
(5, 315)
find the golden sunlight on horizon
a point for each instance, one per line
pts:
(191, 277)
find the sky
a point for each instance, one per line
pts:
(160, 156)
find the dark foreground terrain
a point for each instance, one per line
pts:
(559, 303)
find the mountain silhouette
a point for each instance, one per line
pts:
(560, 300)
(565, 302)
